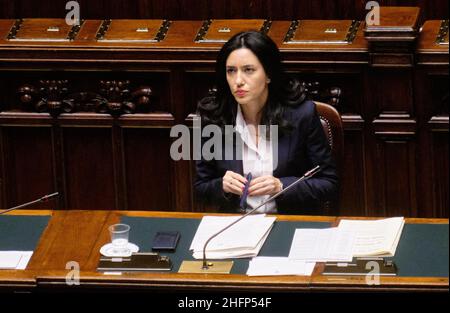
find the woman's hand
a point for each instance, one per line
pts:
(265, 185)
(233, 183)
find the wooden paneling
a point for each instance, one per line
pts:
(390, 155)
(395, 119)
(432, 114)
(89, 170)
(189, 9)
(198, 82)
(440, 184)
(347, 80)
(27, 157)
(352, 180)
(391, 175)
(391, 90)
(147, 165)
(398, 186)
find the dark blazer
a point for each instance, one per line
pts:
(298, 151)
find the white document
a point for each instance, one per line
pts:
(272, 266)
(374, 238)
(243, 239)
(26, 256)
(14, 259)
(232, 253)
(322, 245)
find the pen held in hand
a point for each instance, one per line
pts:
(243, 202)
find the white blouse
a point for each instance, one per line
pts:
(257, 160)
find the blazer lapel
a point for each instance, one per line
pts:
(282, 151)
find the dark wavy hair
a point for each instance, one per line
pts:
(219, 107)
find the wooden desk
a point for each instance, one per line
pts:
(91, 233)
(78, 236)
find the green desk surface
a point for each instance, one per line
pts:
(143, 230)
(21, 232)
(422, 251)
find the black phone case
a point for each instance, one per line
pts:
(166, 240)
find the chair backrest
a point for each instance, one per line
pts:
(332, 126)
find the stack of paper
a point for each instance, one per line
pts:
(322, 245)
(374, 238)
(243, 239)
(271, 266)
(14, 260)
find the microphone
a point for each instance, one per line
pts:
(43, 199)
(224, 267)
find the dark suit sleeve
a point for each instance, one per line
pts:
(208, 187)
(308, 195)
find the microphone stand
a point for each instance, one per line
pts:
(191, 266)
(43, 199)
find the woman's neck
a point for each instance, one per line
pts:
(252, 115)
(252, 118)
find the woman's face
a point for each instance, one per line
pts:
(247, 78)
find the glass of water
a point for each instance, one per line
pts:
(119, 238)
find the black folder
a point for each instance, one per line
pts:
(137, 262)
(363, 266)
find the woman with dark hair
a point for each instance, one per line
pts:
(253, 90)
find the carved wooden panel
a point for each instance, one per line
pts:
(58, 93)
(340, 89)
